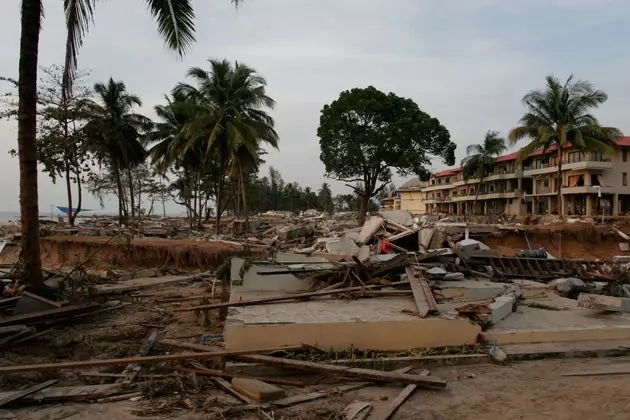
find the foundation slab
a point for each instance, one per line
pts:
(534, 325)
(378, 324)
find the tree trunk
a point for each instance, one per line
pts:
(121, 218)
(363, 204)
(131, 197)
(220, 185)
(163, 207)
(27, 144)
(475, 201)
(560, 206)
(71, 214)
(79, 196)
(242, 182)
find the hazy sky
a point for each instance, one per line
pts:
(466, 62)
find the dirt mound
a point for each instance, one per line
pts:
(107, 253)
(575, 241)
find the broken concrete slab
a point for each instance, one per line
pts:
(621, 259)
(402, 217)
(438, 272)
(369, 229)
(343, 246)
(425, 236)
(288, 233)
(471, 290)
(604, 303)
(454, 276)
(258, 390)
(568, 285)
(236, 265)
(499, 309)
(472, 245)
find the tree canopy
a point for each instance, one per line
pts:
(366, 134)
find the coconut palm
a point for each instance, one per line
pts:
(115, 133)
(232, 104)
(561, 114)
(175, 25)
(481, 158)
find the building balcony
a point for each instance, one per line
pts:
(591, 163)
(586, 189)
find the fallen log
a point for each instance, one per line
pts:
(44, 367)
(283, 298)
(372, 375)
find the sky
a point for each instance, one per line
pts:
(467, 63)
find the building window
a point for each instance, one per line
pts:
(624, 179)
(575, 157)
(546, 182)
(624, 155)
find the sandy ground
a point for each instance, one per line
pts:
(527, 390)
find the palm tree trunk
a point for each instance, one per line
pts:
(476, 197)
(242, 182)
(220, 186)
(69, 193)
(27, 145)
(131, 197)
(79, 196)
(121, 197)
(560, 206)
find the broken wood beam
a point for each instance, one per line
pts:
(284, 298)
(611, 370)
(52, 314)
(390, 409)
(258, 390)
(45, 367)
(425, 301)
(221, 374)
(133, 369)
(26, 392)
(369, 374)
(311, 396)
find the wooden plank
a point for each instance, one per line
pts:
(50, 315)
(612, 370)
(390, 409)
(188, 346)
(26, 392)
(258, 390)
(6, 342)
(66, 393)
(12, 329)
(369, 374)
(357, 410)
(425, 302)
(283, 298)
(299, 399)
(221, 374)
(82, 364)
(225, 386)
(133, 369)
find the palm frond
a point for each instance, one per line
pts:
(79, 17)
(175, 19)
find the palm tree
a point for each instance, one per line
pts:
(175, 25)
(560, 114)
(233, 103)
(115, 134)
(481, 159)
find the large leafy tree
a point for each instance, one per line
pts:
(365, 134)
(115, 134)
(232, 114)
(481, 158)
(175, 25)
(560, 114)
